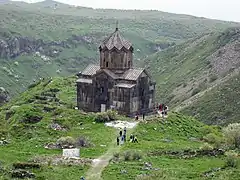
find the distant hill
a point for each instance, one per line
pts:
(54, 39)
(200, 76)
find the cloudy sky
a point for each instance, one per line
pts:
(217, 9)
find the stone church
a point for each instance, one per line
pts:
(114, 83)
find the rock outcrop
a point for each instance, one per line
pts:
(4, 96)
(12, 47)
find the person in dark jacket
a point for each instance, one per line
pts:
(120, 133)
(117, 141)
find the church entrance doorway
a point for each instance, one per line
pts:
(103, 107)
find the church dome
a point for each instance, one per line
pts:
(116, 40)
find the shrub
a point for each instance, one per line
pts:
(105, 116)
(116, 155)
(66, 141)
(213, 139)
(83, 142)
(112, 115)
(127, 156)
(232, 134)
(136, 156)
(102, 117)
(231, 160)
(26, 165)
(206, 147)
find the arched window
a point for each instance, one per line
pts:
(106, 64)
(128, 63)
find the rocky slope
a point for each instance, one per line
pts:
(186, 72)
(4, 96)
(54, 39)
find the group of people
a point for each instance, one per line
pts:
(123, 136)
(137, 116)
(163, 109)
(133, 138)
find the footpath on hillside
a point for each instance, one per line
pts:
(98, 165)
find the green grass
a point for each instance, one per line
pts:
(145, 29)
(220, 105)
(187, 69)
(28, 140)
(178, 129)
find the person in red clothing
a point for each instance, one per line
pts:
(160, 107)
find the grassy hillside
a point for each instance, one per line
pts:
(161, 149)
(148, 24)
(50, 102)
(69, 37)
(184, 72)
(28, 124)
(220, 105)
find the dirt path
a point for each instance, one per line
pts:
(98, 165)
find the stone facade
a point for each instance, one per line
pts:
(115, 83)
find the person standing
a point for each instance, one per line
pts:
(124, 137)
(143, 116)
(160, 107)
(131, 138)
(166, 110)
(136, 117)
(117, 141)
(125, 130)
(120, 133)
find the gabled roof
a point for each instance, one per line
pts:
(116, 40)
(110, 73)
(132, 74)
(91, 69)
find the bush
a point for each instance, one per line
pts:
(83, 142)
(102, 117)
(213, 139)
(116, 155)
(26, 166)
(112, 115)
(136, 156)
(232, 159)
(105, 116)
(232, 134)
(66, 141)
(127, 156)
(206, 147)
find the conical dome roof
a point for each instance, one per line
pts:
(116, 40)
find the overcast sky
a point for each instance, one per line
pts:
(217, 9)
